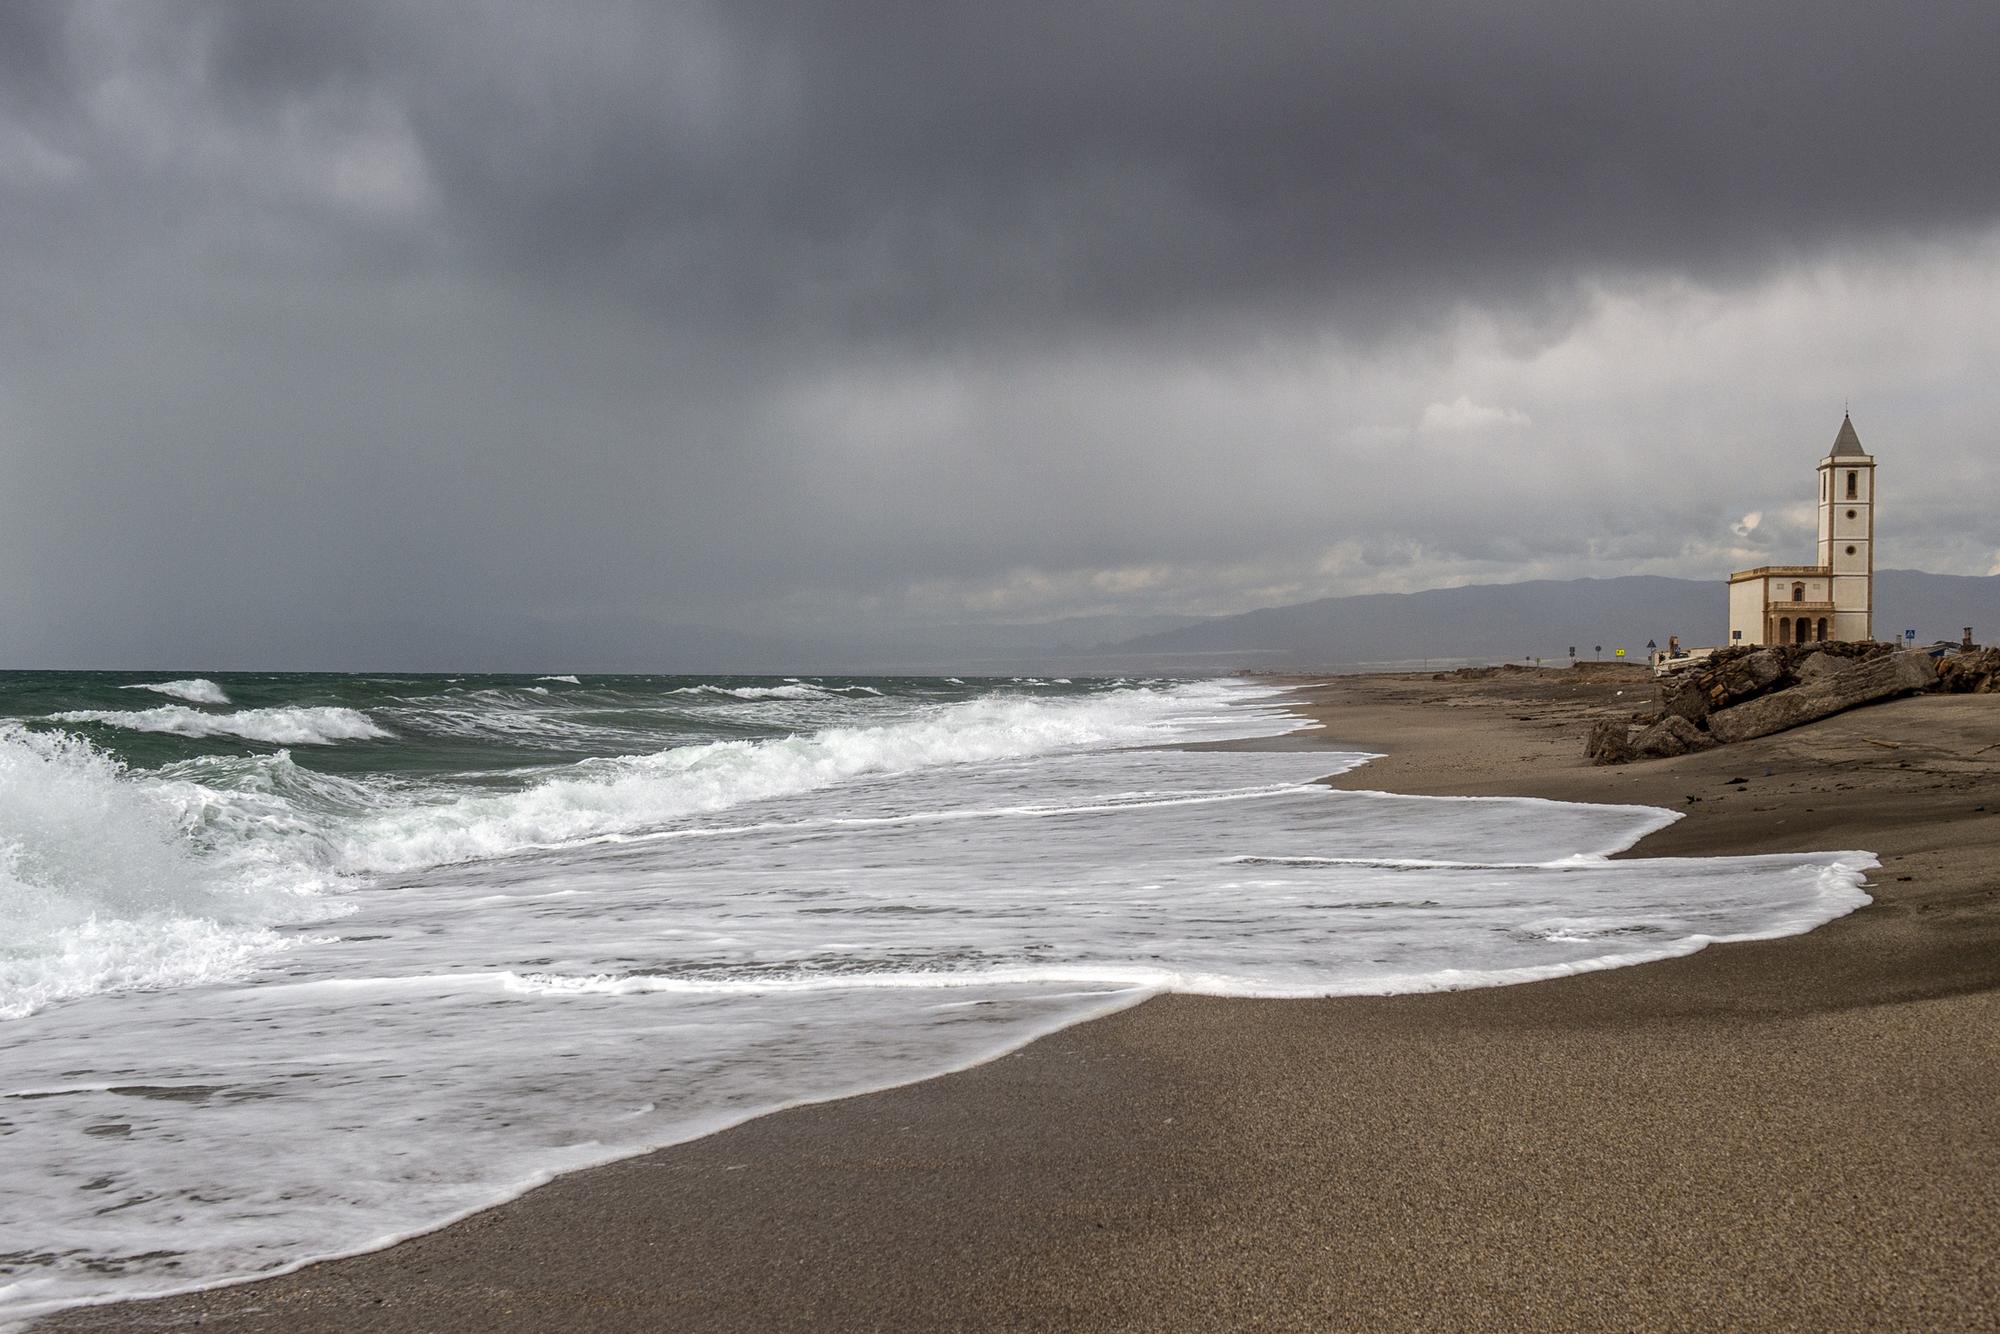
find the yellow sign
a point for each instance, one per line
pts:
(1621, 652)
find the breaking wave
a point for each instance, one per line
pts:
(102, 890)
(197, 690)
(115, 879)
(599, 797)
(790, 690)
(321, 726)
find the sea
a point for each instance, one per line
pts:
(293, 966)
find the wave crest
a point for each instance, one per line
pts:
(790, 690)
(196, 690)
(313, 726)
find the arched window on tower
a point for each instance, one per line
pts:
(1798, 592)
(1853, 485)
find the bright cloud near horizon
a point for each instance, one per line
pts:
(476, 331)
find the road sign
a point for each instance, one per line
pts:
(1910, 636)
(1619, 652)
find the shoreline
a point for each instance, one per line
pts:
(1792, 1131)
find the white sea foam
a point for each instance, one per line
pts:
(599, 797)
(314, 726)
(566, 680)
(266, 818)
(515, 721)
(119, 881)
(100, 890)
(197, 690)
(792, 689)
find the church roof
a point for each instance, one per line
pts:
(1847, 442)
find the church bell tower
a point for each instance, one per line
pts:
(1847, 532)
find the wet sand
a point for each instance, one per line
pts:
(1802, 1133)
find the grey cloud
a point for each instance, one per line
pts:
(34, 52)
(439, 314)
(910, 172)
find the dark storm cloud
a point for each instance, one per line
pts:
(912, 169)
(33, 53)
(377, 324)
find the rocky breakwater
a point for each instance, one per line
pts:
(1741, 693)
(1976, 672)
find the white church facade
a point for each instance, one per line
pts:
(1834, 599)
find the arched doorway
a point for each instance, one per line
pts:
(1804, 634)
(1822, 629)
(1784, 630)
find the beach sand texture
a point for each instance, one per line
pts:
(1802, 1133)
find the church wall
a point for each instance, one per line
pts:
(1779, 589)
(1746, 611)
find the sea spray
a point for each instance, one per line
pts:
(101, 890)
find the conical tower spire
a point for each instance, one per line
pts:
(1848, 442)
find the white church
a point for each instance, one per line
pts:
(1835, 599)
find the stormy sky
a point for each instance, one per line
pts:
(438, 333)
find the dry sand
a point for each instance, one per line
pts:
(1801, 1133)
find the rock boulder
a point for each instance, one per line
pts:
(1864, 682)
(1610, 742)
(1744, 677)
(1687, 699)
(1672, 735)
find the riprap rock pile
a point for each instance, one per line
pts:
(1976, 672)
(1742, 693)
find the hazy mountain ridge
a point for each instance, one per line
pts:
(1538, 618)
(1483, 622)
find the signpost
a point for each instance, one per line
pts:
(1909, 636)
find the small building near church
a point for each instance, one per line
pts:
(1835, 598)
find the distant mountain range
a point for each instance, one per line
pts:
(1542, 618)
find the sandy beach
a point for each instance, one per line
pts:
(1799, 1133)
